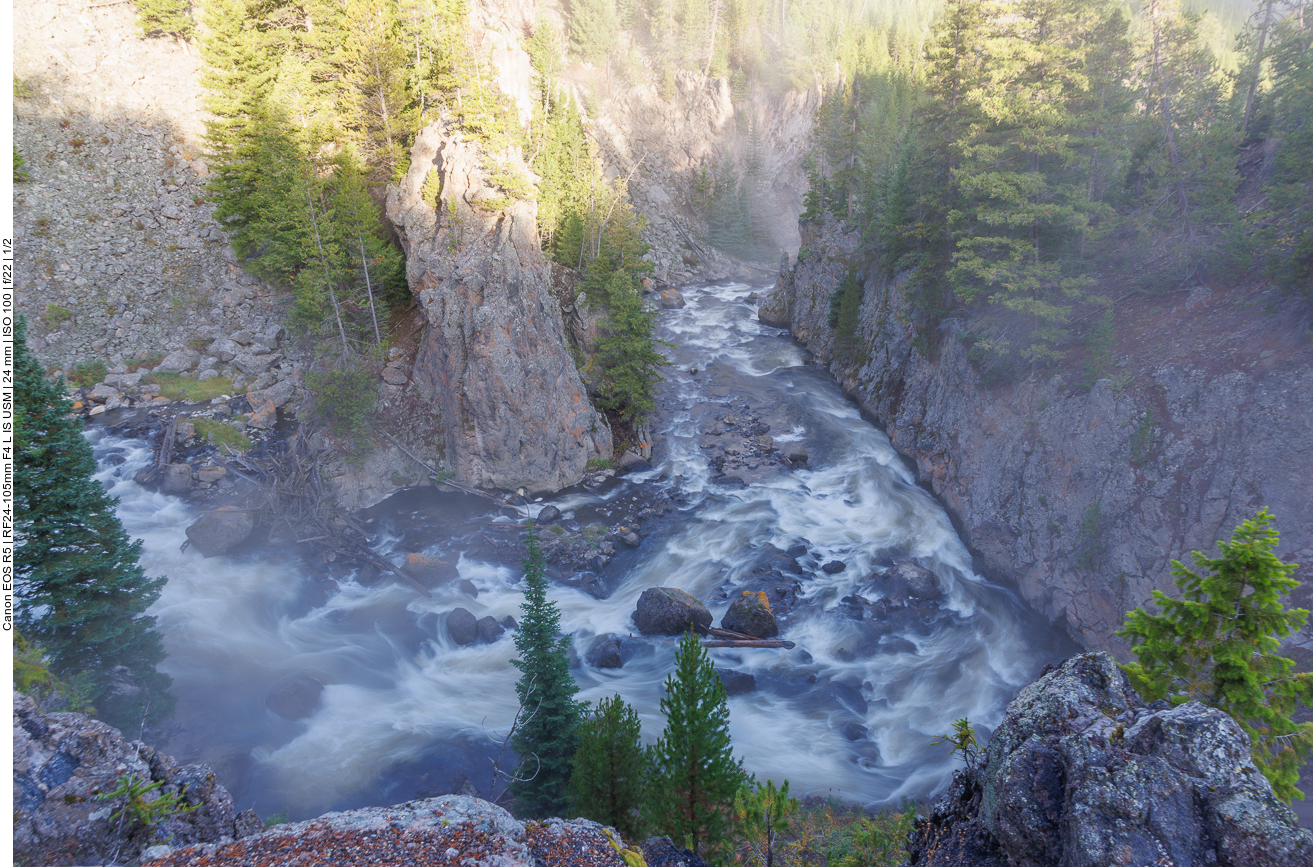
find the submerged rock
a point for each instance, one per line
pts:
(462, 626)
(295, 696)
(218, 532)
(750, 614)
(668, 611)
(1082, 773)
(605, 652)
(736, 682)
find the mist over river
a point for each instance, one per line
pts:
(405, 712)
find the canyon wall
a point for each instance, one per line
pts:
(1082, 496)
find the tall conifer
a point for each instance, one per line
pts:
(694, 774)
(610, 765)
(546, 737)
(80, 591)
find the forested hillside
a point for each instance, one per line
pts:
(1042, 159)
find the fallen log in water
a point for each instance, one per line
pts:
(752, 642)
(730, 634)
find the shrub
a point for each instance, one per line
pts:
(345, 398)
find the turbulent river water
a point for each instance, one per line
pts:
(405, 712)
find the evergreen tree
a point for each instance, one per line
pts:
(593, 26)
(546, 737)
(80, 591)
(165, 18)
(694, 774)
(1218, 645)
(762, 813)
(607, 781)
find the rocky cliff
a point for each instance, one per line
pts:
(1081, 773)
(493, 354)
(66, 766)
(1082, 496)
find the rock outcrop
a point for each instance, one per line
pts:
(64, 765)
(493, 355)
(453, 829)
(1081, 773)
(1082, 496)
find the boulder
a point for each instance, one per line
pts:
(1083, 773)
(669, 611)
(605, 652)
(547, 514)
(660, 852)
(63, 761)
(217, 532)
(508, 623)
(794, 453)
(395, 376)
(750, 614)
(834, 567)
(462, 626)
(176, 478)
(631, 462)
(264, 414)
(467, 587)
(295, 696)
(427, 570)
(671, 299)
(224, 349)
(179, 361)
(489, 629)
(918, 581)
(736, 682)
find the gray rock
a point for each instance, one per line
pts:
(489, 629)
(224, 349)
(834, 567)
(179, 361)
(176, 478)
(668, 611)
(493, 355)
(508, 623)
(395, 376)
(604, 652)
(467, 587)
(295, 696)
(279, 393)
(631, 462)
(462, 626)
(547, 515)
(217, 532)
(794, 453)
(631, 539)
(63, 761)
(1082, 773)
(750, 614)
(919, 582)
(671, 298)
(736, 682)
(254, 365)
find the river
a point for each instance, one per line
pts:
(404, 712)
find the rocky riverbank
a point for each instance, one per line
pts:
(1082, 494)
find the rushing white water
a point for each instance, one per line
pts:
(405, 711)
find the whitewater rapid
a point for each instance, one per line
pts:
(405, 712)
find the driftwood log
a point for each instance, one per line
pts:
(751, 642)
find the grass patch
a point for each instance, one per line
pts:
(599, 464)
(219, 434)
(85, 374)
(176, 386)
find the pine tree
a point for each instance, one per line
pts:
(694, 774)
(762, 813)
(607, 781)
(546, 737)
(1218, 645)
(165, 18)
(80, 591)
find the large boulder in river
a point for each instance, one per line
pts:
(493, 353)
(463, 626)
(428, 570)
(668, 611)
(671, 299)
(1082, 773)
(64, 761)
(218, 532)
(750, 614)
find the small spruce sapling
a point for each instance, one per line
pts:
(610, 765)
(1218, 643)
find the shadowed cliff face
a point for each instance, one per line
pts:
(1081, 496)
(494, 355)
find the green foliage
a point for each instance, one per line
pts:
(845, 314)
(1143, 439)
(344, 398)
(546, 738)
(80, 591)
(593, 27)
(1218, 644)
(609, 767)
(626, 352)
(220, 434)
(87, 373)
(56, 315)
(1089, 537)
(19, 174)
(180, 386)
(762, 815)
(963, 741)
(165, 18)
(140, 806)
(1099, 340)
(33, 678)
(694, 774)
